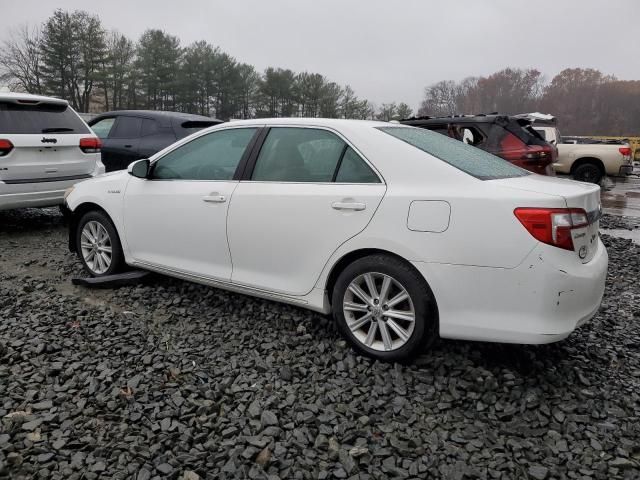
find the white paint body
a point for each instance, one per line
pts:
(491, 279)
(35, 174)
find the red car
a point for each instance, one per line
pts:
(508, 137)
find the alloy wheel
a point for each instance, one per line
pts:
(379, 311)
(96, 247)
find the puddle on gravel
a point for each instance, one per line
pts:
(623, 233)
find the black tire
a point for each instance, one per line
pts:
(117, 255)
(588, 172)
(66, 214)
(425, 325)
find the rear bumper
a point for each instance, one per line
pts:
(625, 170)
(37, 194)
(542, 300)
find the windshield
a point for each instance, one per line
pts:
(471, 160)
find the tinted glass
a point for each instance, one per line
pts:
(149, 127)
(38, 119)
(103, 127)
(214, 156)
(471, 160)
(298, 155)
(191, 126)
(127, 127)
(354, 170)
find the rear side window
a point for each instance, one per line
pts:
(38, 119)
(149, 127)
(471, 160)
(298, 155)
(127, 127)
(354, 170)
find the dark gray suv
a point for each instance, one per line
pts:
(129, 135)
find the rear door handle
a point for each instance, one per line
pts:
(357, 206)
(214, 198)
(128, 146)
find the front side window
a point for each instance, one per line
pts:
(103, 127)
(471, 160)
(214, 156)
(298, 155)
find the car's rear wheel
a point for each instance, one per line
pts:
(587, 172)
(99, 245)
(384, 308)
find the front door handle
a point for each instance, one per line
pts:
(214, 198)
(357, 206)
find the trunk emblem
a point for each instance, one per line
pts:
(582, 253)
(49, 140)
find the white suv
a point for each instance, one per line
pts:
(45, 147)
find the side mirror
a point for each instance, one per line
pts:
(139, 169)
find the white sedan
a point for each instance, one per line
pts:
(401, 233)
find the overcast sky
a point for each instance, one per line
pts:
(387, 50)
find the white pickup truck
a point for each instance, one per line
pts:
(587, 162)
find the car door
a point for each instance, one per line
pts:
(307, 192)
(120, 148)
(176, 218)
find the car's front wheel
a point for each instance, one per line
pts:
(99, 245)
(384, 308)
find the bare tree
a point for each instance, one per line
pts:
(387, 111)
(440, 99)
(20, 59)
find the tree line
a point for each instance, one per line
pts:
(585, 101)
(73, 56)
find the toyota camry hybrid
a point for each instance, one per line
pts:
(401, 233)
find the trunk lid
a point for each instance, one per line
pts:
(581, 195)
(33, 160)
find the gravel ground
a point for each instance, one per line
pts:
(175, 380)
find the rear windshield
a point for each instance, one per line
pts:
(471, 160)
(38, 119)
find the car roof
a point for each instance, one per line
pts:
(482, 118)
(28, 97)
(316, 122)
(157, 114)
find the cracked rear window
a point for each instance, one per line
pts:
(471, 160)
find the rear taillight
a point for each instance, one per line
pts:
(625, 151)
(538, 154)
(552, 225)
(90, 145)
(515, 150)
(5, 147)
